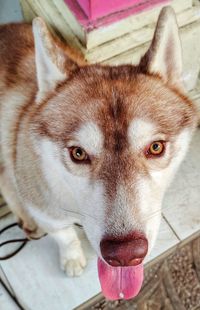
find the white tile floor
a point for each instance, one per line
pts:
(34, 273)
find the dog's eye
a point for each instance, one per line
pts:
(156, 148)
(78, 155)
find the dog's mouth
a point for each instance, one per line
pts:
(121, 268)
(120, 282)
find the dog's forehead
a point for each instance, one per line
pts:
(90, 136)
(93, 139)
(113, 102)
(144, 97)
(141, 132)
(130, 112)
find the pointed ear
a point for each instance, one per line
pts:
(52, 63)
(164, 56)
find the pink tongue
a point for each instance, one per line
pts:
(120, 282)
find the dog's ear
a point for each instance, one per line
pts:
(164, 56)
(53, 65)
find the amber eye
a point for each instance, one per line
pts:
(78, 155)
(156, 148)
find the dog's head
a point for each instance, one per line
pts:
(113, 137)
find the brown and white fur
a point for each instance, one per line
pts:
(50, 100)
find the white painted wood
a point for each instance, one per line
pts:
(53, 18)
(67, 15)
(124, 35)
(27, 11)
(96, 37)
(131, 23)
(136, 38)
(191, 54)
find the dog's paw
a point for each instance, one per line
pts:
(32, 231)
(35, 234)
(73, 267)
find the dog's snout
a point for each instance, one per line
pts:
(129, 250)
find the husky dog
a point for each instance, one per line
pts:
(92, 144)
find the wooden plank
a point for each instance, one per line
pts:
(136, 38)
(48, 11)
(72, 21)
(27, 11)
(99, 35)
(55, 13)
(191, 54)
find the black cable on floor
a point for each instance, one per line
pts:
(11, 295)
(5, 257)
(23, 240)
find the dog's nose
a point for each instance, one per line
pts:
(129, 250)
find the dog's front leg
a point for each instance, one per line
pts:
(72, 257)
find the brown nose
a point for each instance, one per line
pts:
(129, 250)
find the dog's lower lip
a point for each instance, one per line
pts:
(136, 261)
(116, 263)
(113, 262)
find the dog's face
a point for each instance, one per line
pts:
(115, 135)
(117, 143)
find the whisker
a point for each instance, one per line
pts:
(156, 212)
(150, 216)
(146, 218)
(78, 213)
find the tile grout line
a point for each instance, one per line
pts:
(11, 289)
(7, 282)
(164, 217)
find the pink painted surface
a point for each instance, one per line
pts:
(85, 6)
(96, 9)
(89, 24)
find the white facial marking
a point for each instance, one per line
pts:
(149, 202)
(142, 132)
(151, 191)
(70, 192)
(164, 176)
(90, 137)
